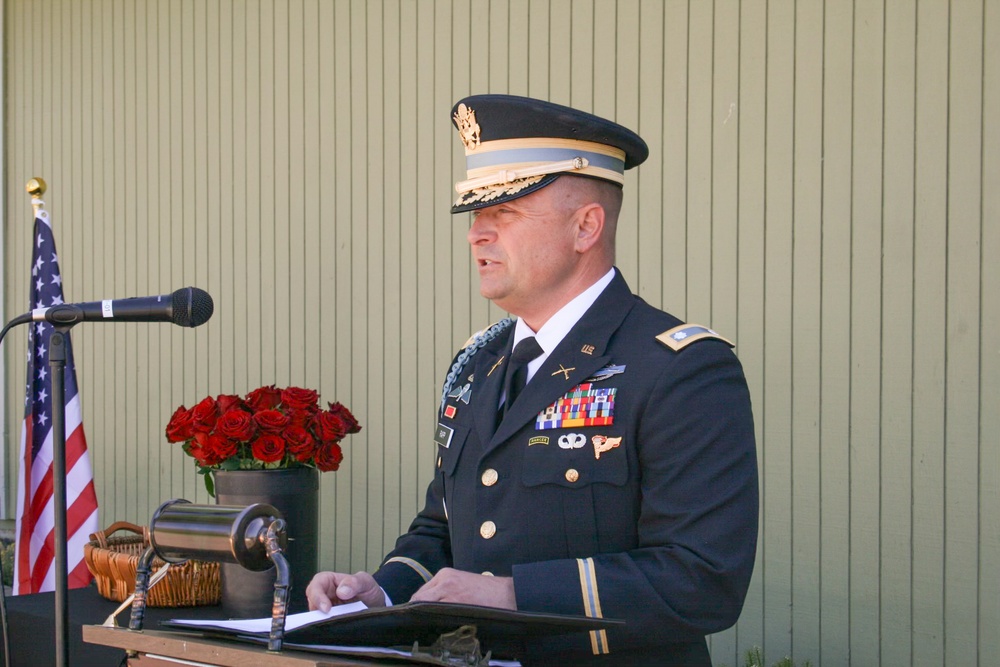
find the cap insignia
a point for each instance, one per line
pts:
(468, 128)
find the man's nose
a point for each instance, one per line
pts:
(480, 231)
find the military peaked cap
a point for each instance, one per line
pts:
(517, 145)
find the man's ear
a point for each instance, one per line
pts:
(589, 226)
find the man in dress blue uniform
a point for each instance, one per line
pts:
(595, 457)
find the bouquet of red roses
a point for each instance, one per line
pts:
(268, 428)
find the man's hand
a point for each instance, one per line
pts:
(450, 585)
(329, 588)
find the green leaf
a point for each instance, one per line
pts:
(210, 485)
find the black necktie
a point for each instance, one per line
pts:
(517, 372)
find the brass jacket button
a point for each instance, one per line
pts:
(490, 477)
(572, 475)
(439, 462)
(487, 573)
(488, 529)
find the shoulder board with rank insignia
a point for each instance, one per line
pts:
(683, 335)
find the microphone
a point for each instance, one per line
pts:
(187, 307)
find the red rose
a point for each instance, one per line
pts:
(271, 421)
(222, 447)
(300, 443)
(227, 402)
(330, 426)
(300, 418)
(268, 448)
(236, 424)
(328, 456)
(265, 398)
(345, 414)
(179, 428)
(201, 449)
(296, 398)
(205, 415)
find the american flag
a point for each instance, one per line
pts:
(34, 564)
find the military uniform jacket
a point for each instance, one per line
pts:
(642, 508)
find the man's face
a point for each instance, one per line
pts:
(525, 249)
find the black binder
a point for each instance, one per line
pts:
(498, 630)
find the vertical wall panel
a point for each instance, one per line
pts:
(818, 189)
(989, 346)
(866, 252)
(896, 483)
(929, 332)
(806, 400)
(750, 323)
(673, 153)
(835, 353)
(775, 413)
(962, 317)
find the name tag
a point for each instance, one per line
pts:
(443, 434)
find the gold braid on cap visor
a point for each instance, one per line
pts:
(505, 161)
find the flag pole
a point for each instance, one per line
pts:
(57, 363)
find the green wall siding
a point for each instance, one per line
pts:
(822, 188)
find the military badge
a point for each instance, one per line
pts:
(538, 440)
(603, 443)
(584, 405)
(572, 440)
(565, 371)
(462, 393)
(450, 411)
(606, 372)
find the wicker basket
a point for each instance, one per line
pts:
(113, 561)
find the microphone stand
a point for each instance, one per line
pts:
(57, 364)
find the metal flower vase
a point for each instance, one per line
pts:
(295, 493)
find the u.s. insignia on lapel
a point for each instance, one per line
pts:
(584, 405)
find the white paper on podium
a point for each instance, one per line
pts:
(292, 621)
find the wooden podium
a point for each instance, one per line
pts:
(156, 648)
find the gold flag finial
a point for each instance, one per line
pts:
(36, 187)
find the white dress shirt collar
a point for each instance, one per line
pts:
(553, 331)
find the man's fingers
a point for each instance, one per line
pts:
(330, 588)
(320, 590)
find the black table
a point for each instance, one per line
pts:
(32, 627)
